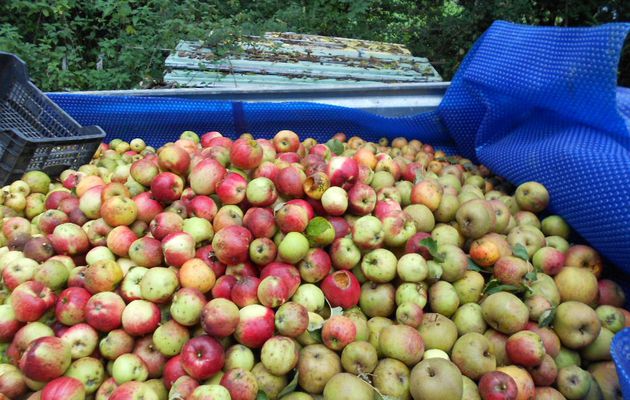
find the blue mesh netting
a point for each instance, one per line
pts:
(530, 103)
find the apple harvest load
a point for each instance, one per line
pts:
(251, 269)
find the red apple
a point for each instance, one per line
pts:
(241, 384)
(45, 359)
(64, 388)
(260, 222)
(256, 325)
(290, 182)
(39, 249)
(167, 187)
(144, 171)
(178, 248)
(54, 198)
(342, 228)
(166, 223)
(97, 232)
(287, 272)
(342, 288)
(315, 266)
(362, 199)
(497, 385)
(173, 370)
(291, 218)
(208, 136)
(286, 141)
(342, 171)
(149, 354)
(272, 292)
(103, 311)
(120, 239)
(244, 292)
(202, 207)
(140, 317)
(206, 254)
(338, 332)
(231, 189)
(70, 308)
(147, 207)
(246, 153)
(118, 211)
(231, 244)
(69, 239)
(49, 220)
(223, 287)
(202, 357)
(9, 324)
(146, 252)
(173, 158)
(30, 300)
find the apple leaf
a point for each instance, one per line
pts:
(547, 317)
(473, 266)
(316, 335)
(432, 245)
(531, 276)
(317, 226)
(290, 388)
(262, 395)
(278, 207)
(520, 251)
(419, 175)
(335, 146)
(4, 358)
(495, 286)
(336, 311)
(452, 159)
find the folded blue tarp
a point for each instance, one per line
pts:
(531, 103)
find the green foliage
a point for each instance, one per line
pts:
(122, 44)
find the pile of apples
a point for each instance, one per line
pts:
(252, 269)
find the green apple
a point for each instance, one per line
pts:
(293, 247)
(129, 367)
(170, 337)
(436, 378)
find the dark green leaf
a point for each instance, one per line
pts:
(520, 251)
(473, 266)
(531, 276)
(316, 335)
(261, 395)
(290, 388)
(335, 146)
(432, 245)
(547, 317)
(495, 286)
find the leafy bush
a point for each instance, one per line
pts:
(122, 44)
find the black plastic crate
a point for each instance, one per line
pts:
(35, 134)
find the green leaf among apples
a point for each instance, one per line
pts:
(335, 146)
(547, 317)
(495, 286)
(290, 388)
(520, 251)
(432, 245)
(262, 395)
(473, 266)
